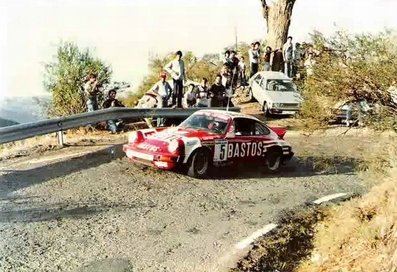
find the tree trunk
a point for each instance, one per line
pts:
(278, 20)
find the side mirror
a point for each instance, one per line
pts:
(230, 135)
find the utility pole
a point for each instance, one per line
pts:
(235, 34)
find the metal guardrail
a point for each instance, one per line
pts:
(24, 131)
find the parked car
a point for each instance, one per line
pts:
(275, 92)
(351, 113)
(210, 138)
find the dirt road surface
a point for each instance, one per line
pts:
(86, 208)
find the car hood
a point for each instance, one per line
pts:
(159, 140)
(179, 133)
(284, 97)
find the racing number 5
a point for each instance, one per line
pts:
(220, 153)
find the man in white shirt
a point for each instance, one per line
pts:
(288, 56)
(176, 68)
(242, 72)
(163, 90)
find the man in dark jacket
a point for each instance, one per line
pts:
(217, 93)
(278, 61)
(110, 102)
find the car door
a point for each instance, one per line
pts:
(264, 138)
(245, 146)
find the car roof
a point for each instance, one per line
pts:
(231, 114)
(273, 75)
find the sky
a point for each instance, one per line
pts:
(124, 33)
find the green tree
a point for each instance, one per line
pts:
(66, 75)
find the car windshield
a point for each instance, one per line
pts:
(280, 85)
(206, 121)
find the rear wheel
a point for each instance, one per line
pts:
(273, 160)
(198, 164)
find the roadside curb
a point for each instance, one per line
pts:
(246, 245)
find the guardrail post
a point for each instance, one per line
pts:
(60, 138)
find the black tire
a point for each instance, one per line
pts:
(273, 160)
(265, 109)
(199, 164)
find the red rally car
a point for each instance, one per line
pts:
(210, 138)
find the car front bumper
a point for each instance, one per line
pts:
(280, 111)
(165, 161)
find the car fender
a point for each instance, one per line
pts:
(191, 144)
(258, 93)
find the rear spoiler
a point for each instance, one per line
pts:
(279, 131)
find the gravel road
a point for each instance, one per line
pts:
(86, 208)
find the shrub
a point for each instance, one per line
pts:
(65, 77)
(349, 68)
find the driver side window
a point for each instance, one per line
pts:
(244, 127)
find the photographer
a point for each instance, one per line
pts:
(91, 90)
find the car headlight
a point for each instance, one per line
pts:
(132, 137)
(173, 146)
(276, 105)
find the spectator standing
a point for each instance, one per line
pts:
(309, 63)
(202, 94)
(288, 54)
(163, 91)
(278, 61)
(298, 57)
(110, 102)
(91, 90)
(242, 72)
(217, 93)
(176, 68)
(254, 58)
(227, 59)
(235, 67)
(266, 58)
(226, 74)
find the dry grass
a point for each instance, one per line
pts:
(360, 235)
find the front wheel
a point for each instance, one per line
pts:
(199, 163)
(273, 160)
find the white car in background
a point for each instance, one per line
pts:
(275, 92)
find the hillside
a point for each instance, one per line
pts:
(23, 109)
(6, 123)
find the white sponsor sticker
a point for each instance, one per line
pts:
(134, 154)
(220, 151)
